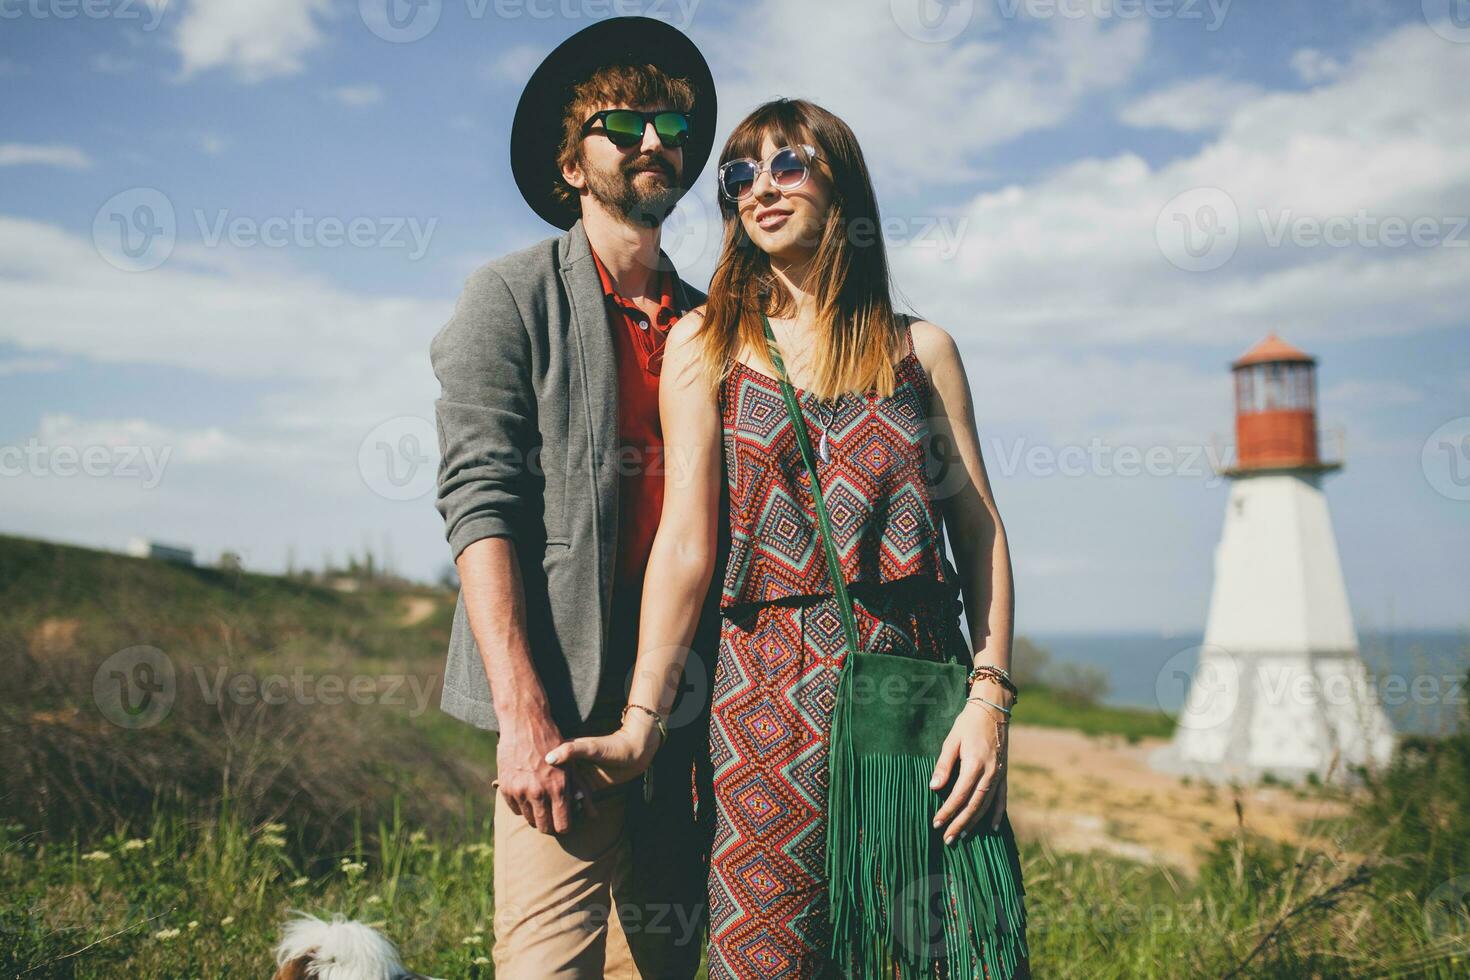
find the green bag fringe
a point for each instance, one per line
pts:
(884, 861)
(881, 846)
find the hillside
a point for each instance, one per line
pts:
(136, 683)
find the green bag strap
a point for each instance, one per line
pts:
(798, 422)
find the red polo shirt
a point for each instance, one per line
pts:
(639, 343)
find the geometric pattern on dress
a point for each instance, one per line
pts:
(782, 644)
(876, 484)
(769, 730)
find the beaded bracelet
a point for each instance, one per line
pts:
(658, 720)
(998, 674)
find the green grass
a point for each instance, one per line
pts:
(1041, 705)
(221, 819)
(208, 899)
(189, 900)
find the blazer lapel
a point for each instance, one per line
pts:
(594, 338)
(598, 368)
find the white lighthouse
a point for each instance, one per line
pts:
(1280, 688)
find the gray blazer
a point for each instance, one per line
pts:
(528, 447)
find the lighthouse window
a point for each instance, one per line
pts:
(1244, 392)
(1276, 386)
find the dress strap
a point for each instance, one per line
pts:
(908, 331)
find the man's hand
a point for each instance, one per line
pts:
(545, 795)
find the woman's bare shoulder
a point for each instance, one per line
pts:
(684, 328)
(934, 345)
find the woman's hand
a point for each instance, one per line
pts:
(609, 760)
(970, 749)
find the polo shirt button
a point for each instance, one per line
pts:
(643, 324)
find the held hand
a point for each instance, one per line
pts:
(545, 796)
(609, 760)
(980, 788)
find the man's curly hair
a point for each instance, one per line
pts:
(612, 86)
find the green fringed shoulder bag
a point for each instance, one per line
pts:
(900, 899)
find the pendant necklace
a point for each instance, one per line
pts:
(822, 448)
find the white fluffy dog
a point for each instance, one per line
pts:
(311, 949)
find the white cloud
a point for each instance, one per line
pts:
(207, 445)
(214, 310)
(1312, 66)
(1194, 106)
(32, 365)
(1074, 257)
(357, 96)
(338, 365)
(257, 40)
(44, 155)
(924, 112)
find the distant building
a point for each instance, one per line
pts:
(1280, 689)
(158, 551)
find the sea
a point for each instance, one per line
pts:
(1419, 675)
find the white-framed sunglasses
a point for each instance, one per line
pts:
(789, 168)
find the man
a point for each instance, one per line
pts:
(550, 485)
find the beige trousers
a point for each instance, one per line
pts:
(622, 893)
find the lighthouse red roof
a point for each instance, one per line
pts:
(1273, 348)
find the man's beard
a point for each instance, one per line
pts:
(644, 205)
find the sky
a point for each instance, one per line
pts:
(228, 232)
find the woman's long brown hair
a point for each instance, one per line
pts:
(848, 276)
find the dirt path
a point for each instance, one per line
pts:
(1081, 792)
(416, 609)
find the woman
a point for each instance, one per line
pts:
(801, 246)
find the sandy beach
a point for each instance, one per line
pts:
(1080, 792)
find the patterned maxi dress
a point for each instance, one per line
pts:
(781, 644)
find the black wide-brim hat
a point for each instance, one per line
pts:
(536, 132)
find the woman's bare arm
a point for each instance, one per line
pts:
(680, 564)
(977, 535)
(971, 756)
